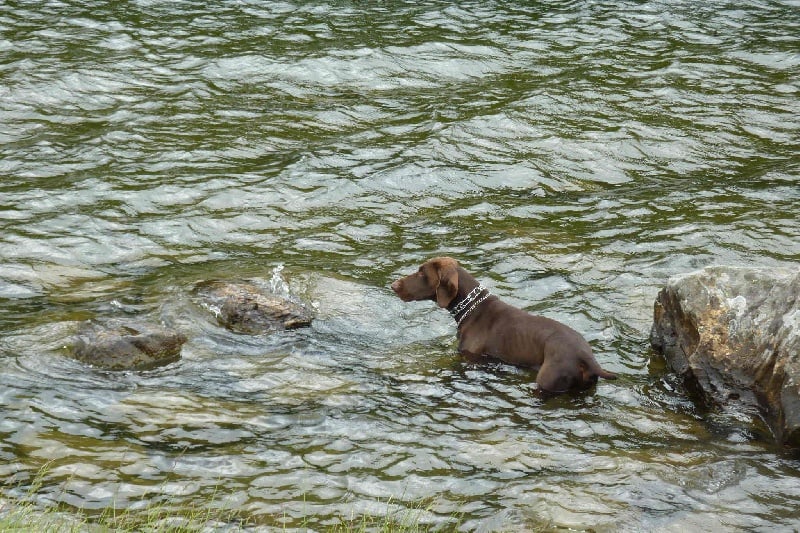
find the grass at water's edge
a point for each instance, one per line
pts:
(26, 515)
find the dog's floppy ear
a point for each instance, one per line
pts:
(447, 288)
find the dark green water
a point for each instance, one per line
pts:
(571, 154)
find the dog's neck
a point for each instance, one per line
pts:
(469, 296)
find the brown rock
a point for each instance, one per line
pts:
(733, 334)
(245, 307)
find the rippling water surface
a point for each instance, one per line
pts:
(572, 154)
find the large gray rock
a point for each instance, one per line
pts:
(245, 307)
(733, 333)
(119, 345)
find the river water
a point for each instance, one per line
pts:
(573, 155)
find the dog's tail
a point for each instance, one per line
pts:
(597, 370)
(591, 371)
(605, 374)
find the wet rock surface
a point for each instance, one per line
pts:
(122, 345)
(249, 308)
(733, 334)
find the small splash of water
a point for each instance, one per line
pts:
(277, 284)
(215, 309)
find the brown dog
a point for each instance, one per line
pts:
(489, 327)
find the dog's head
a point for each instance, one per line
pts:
(436, 279)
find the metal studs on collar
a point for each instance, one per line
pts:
(470, 302)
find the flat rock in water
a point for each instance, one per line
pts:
(733, 334)
(245, 307)
(119, 345)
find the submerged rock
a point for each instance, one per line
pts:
(244, 307)
(733, 334)
(117, 345)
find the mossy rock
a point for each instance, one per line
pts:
(120, 345)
